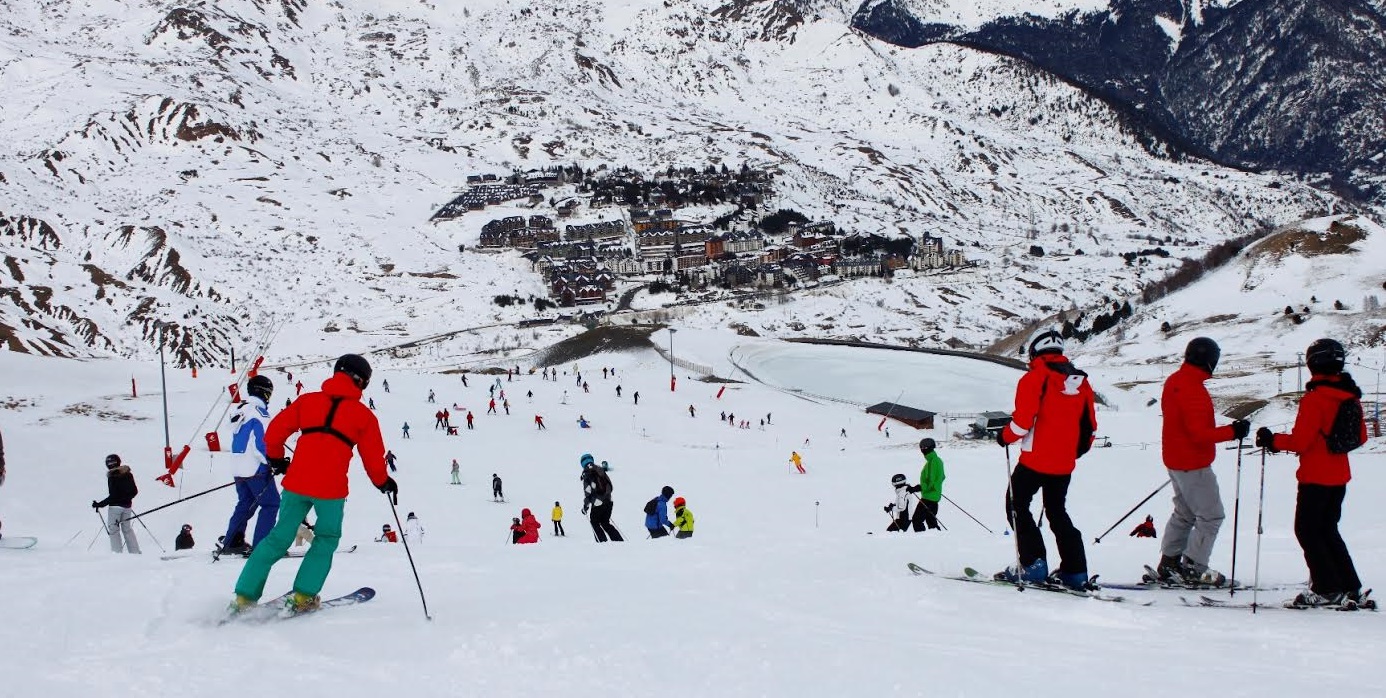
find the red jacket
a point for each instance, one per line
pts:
(321, 459)
(1317, 410)
(389, 537)
(1052, 400)
(1190, 431)
(531, 527)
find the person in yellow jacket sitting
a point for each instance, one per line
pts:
(683, 519)
(558, 520)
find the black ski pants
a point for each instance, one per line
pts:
(925, 515)
(1317, 511)
(657, 532)
(1025, 483)
(558, 529)
(601, 523)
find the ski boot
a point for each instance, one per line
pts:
(239, 605)
(1311, 599)
(1036, 572)
(297, 603)
(1076, 581)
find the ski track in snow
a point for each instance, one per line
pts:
(759, 602)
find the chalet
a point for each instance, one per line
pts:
(917, 418)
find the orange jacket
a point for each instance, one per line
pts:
(1317, 410)
(1052, 400)
(321, 459)
(1190, 431)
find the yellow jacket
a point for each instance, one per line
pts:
(683, 519)
(558, 513)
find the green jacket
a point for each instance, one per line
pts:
(931, 478)
(683, 519)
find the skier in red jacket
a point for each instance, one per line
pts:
(1054, 422)
(1189, 446)
(529, 527)
(332, 423)
(1323, 476)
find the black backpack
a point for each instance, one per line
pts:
(652, 506)
(1346, 432)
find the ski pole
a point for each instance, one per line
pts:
(1236, 512)
(964, 511)
(1010, 511)
(1128, 514)
(400, 527)
(1260, 509)
(1040, 521)
(104, 527)
(74, 537)
(184, 499)
(151, 535)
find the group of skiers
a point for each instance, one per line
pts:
(927, 492)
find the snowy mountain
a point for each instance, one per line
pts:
(1287, 85)
(213, 165)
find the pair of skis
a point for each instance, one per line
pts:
(973, 576)
(1362, 604)
(276, 608)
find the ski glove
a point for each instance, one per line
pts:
(95, 504)
(279, 466)
(1001, 438)
(889, 508)
(584, 510)
(1240, 429)
(1265, 438)
(913, 489)
(390, 488)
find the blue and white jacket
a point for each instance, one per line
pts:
(249, 423)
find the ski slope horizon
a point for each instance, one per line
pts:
(780, 591)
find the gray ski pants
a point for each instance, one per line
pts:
(1193, 527)
(118, 525)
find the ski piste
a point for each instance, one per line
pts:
(274, 608)
(17, 542)
(1366, 604)
(973, 576)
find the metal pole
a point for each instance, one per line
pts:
(964, 511)
(1010, 509)
(1260, 509)
(1236, 512)
(672, 380)
(1133, 510)
(400, 527)
(815, 513)
(163, 388)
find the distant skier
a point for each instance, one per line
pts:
(437, 420)
(456, 470)
(618, 391)
(385, 384)
(1328, 425)
(184, 541)
(692, 412)
(1146, 529)
(683, 519)
(1054, 421)
(497, 493)
(1188, 448)
(390, 460)
(636, 395)
(387, 535)
(517, 530)
(930, 487)
(583, 423)
(657, 514)
(331, 424)
(491, 407)
(370, 403)
(505, 404)
(470, 420)
(430, 391)
(596, 498)
(413, 530)
(120, 498)
(405, 429)
(539, 423)
(256, 489)
(557, 518)
(900, 508)
(529, 526)
(798, 462)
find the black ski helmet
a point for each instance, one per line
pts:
(1325, 357)
(898, 479)
(260, 386)
(113, 461)
(927, 446)
(357, 367)
(1046, 340)
(1203, 353)
(667, 491)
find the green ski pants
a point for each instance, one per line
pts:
(293, 509)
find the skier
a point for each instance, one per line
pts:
(506, 405)
(657, 514)
(430, 390)
(184, 541)
(1146, 529)
(257, 488)
(413, 530)
(683, 519)
(1188, 447)
(1328, 425)
(387, 535)
(530, 526)
(930, 487)
(618, 391)
(406, 430)
(558, 520)
(121, 491)
(497, 495)
(447, 418)
(385, 384)
(596, 498)
(539, 423)
(370, 402)
(636, 395)
(491, 407)
(332, 422)
(298, 388)
(470, 420)
(456, 469)
(1054, 421)
(517, 531)
(692, 412)
(797, 461)
(901, 506)
(464, 381)
(438, 420)
(390, 460)
(583, 423)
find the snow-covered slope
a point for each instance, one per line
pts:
(210, 164)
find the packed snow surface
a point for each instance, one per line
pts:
(789, 586)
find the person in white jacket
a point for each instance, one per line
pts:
(413, 530)
(901, 506)
(255, 486)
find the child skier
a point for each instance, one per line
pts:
(558, 520)
(256, 488)
(184, 541)
(413, 530)
(901, 506)
(930, 487)
(1322, 437)
(517, 531)
(1146, 529)
(387, 535)
(683, 519)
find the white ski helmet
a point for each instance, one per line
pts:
(1045, 340)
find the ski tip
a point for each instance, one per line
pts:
(916, 569)
(363, 594)
(971, 572)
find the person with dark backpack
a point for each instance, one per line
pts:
(657, 514)
(596, 498)
(1329, 425)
